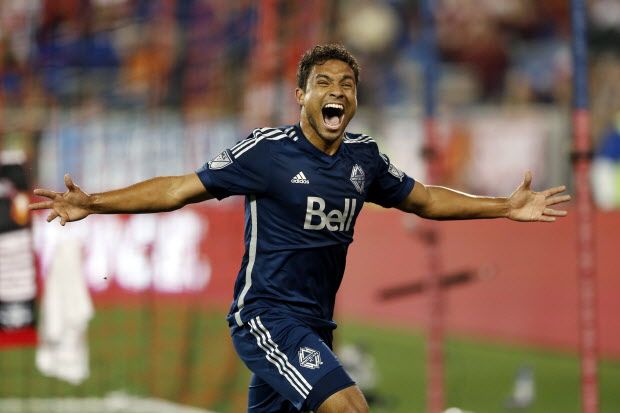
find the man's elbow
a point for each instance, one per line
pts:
(413, 208)
(175, 195)
(188, 189)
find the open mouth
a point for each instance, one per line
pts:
(333, 114)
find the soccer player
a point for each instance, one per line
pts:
(304, 187)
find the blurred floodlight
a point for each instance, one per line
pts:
(370, 27)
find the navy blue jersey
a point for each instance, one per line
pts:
(300, 211)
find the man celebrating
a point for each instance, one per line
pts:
(304, 188)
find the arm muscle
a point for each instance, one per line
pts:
(437, 202)
(165, 193)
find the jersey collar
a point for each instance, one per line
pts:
(308, 146)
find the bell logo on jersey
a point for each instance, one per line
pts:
(334, 220)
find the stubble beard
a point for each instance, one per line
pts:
(316, 127)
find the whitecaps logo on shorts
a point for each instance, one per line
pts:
(309, 358)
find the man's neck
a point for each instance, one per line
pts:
(329, 147)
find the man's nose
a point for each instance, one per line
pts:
(336, 91)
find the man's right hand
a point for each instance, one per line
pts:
(71, 205)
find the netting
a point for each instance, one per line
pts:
(118, 91)
(113, 93)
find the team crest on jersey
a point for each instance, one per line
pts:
(358, 177)
(220, 161)
(309, 358)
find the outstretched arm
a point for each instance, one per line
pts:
(436, 202)
(165, 193)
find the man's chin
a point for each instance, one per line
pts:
(332, 135)
(325, 132)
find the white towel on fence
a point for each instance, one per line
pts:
(65, 312)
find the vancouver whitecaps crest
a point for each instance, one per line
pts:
(358, 178)
(309, 358)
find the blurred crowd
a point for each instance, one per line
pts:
(510, 52)
(175, 52)
(220, 58)
(122, 52)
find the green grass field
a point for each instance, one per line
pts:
(479, 376)
(184, 354)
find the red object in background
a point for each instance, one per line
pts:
(532, 298)
(18, 338)
(435, 388)
(17, 271)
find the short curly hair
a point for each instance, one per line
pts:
(321, 53)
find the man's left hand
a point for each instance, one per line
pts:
(527, 205)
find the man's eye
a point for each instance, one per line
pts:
(347, 85)
(323, 83)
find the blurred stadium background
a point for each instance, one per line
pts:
(115, 91)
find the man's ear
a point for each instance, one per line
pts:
(299, 95)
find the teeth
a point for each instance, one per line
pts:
(335, 106)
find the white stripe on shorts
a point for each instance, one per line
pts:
(279, 359)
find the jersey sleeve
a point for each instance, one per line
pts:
(240, 170)
(390, 186)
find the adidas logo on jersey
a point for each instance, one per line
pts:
(300, 178)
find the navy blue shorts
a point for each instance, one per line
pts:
(294, 366)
